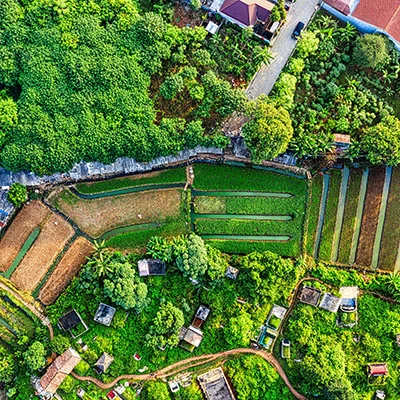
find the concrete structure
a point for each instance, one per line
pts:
(215, 385)
(330, 302)
(104, 314)
(151, 266)
(310, 295)
(103, 363)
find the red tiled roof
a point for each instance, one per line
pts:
(247, 11)
(384, 14)
(340, 5)
(378, 369)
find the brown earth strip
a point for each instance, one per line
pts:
(370, 217)
(52, 238)
(98, 216)
(391, 229)
(67, 268)
(30, 217)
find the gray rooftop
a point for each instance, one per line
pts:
(104, 314)
(330, 302)
(215, 386)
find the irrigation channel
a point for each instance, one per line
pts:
(239, 194)
(321, 214)
(252, 238)
(357, 223)
(244, 216)
(340, 213)
(381, 218)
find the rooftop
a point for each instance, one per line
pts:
(103, 363)
(69, 320)
(232, 272)
(330, 302)
(104, 314)
(215, 386)
(310, 295)
(191, 335)
(151, 266)
(378, 369)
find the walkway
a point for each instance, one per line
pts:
(45, 321)
(193, 362)
(282, 48)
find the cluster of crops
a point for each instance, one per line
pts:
(365, 213)
(240, 210)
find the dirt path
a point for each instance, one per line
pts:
(45, 321)
(195, 361)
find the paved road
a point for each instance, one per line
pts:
(192, 362)
(301, 10)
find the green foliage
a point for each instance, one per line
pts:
(217, 263)
(382, 142)
(166, 327)
(308, 44)
(82, 368)
(35, 356)
(17, 194)
(59, 344)
(157, 391)
(8, 115)
(239, 330)
(269, 131)
(284, 90)
(278, 12)
(67, 384)
(192, 258)
(171, 86)
(7, 366)
(371, 51)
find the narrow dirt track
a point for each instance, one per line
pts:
(195, 361)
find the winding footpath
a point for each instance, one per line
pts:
(193, 362)
(45, 321)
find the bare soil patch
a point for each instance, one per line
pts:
(53, 237)
(97, 216)
(370, 217)
(67, 268)
(30, 217)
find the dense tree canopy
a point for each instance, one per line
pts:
(17, 194)
(35, 356)
(371, 51)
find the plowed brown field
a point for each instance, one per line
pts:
(67, 268)
(53, 237)
(31, 216)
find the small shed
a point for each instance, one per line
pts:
(330, 302)
(212, 28)
(310, 295)
(380, 395)
(103, 363)
(190, 338)
(377, 369)
(70, 323)
(201, 315)
(232, 272)
(104, 314)
(398, 340)
(151, 266)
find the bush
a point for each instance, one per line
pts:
(82, 368)
(371, 51)
(17, 194)
(67, 384)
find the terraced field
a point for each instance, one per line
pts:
(242, 209)
(360, 223)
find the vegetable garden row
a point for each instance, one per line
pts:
(359, 218)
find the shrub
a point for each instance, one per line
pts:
(171, 86)
(67, 384)
(17, 194)
(82, 368)
(371, 51)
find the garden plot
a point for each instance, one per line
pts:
(52, 239)
(29, 218)
(370, 217)
(97, 216)
(391, 231)
(67, 268)
(314, 211)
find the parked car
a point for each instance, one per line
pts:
(297, 31)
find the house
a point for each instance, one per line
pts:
(103, 363)
(310, 295)
(57, 372)
(201, 315)
(73, 323)
(231, 272)
(151, 266)
(190, 338)
(377, 370)
(369, 16)
(380, 395)
(246, 13)
(269, 331)
(349, 298)
(330, 302)
(215, 385)
(104, 314)
(341, 141)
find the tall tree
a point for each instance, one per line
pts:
(371, 51)
(193, 261)
(35, 356)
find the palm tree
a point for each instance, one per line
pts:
(100, 263)
(393, 284)
(346, 34)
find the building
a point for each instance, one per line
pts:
(151, 266)
(369, 16)
(104, 314)
(310, 295)
(103, 363)
(6, 208)
(377, 370)
(201, 315)
(57, 371)
(342, 142)
(215, 385)
(349, 298)
(190, 338)
(330, 302)
(73, 323)
(232, 272)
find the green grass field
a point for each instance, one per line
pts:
(350, 211)
(223, 177)
(316, 194)
(391, 229)
(328, 229)
(173, 175)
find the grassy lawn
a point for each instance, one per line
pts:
(224, 177)
(98, 216)
(316, 194)
(350, 211)
(328, 229)
(391, 229)
(173, 175)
